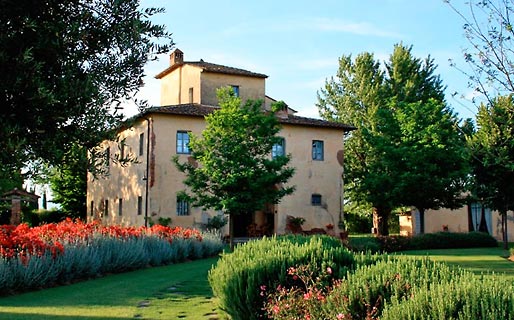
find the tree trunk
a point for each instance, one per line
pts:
(504, 231)
(231, 232)
(380, 220)
(471, 227)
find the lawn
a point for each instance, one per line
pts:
(179, 291)
(477, 260)
(170, 292)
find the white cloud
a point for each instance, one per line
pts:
(358, 28)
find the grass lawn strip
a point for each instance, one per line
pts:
(121, 296)
(476, 260)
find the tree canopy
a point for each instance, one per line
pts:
(492, 147)
(407, 136)
(232, 168)
(66, 66)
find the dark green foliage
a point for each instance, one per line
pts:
(237, 277)
(358, 223)
(66, 66)
(364, 244)
(440, 240)
(407, 150)
(39, 217)
(215, 223)
(235, 172)
(450, 240)
(68, 182)
(492, 148)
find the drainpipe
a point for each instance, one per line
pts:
(147, 175)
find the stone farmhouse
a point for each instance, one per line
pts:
(146, 190)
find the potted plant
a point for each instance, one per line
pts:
(294, 224)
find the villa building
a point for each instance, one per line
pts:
(146, 189)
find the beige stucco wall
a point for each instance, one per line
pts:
(128, 183)
(457, 221)
(123, 182)
(175, 85)
(249, 87)
(312, 177)
(167, 178)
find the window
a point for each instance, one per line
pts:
(120, 207)
(141, 144)
(139, 205)
(122, 150)
(190, 95)
(316, 199)
(236, 90)
(92, 208)
(279, 148)
(182, 206)
(106, 208)
(317, 150)
(107, 157)
(183, 142)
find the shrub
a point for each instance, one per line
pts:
(464, 298)
(358, 223)
(237, 277)
(59, 253)
(216, 223)
(364, 244)
(451, 240)
(440, 240)
(361, 295)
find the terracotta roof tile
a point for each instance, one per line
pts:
(200, 110)
(212, 67)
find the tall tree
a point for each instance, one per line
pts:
(430, 151)
(398, 115)
(69, 182)
(431, 156)
(235, 171)
(492, 147)
(66, 66)
(357, 96)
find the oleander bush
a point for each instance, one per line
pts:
(239, 279)
(58, 253)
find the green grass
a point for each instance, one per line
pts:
(477, 260)
(179, 291)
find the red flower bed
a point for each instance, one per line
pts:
(23, 241)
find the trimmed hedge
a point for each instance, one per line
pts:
(427, 241)
(238, 277)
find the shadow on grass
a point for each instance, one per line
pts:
(119, 296)
(22, 316)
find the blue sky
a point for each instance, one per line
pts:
(298, 43)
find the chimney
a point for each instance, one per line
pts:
(176, 57)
